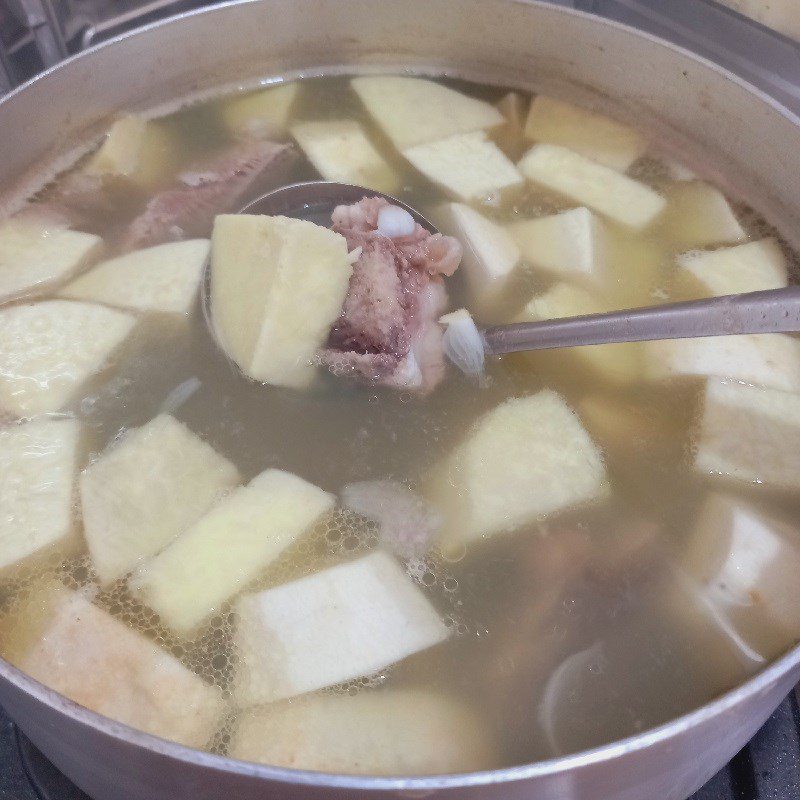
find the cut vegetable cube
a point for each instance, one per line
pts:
(227, 548)
(698, 215)
(162, 279)
(638, 267)
(490, 254)
(99, 662)
(394, 732)
(603, 189)
(37, 252)
(340, 151)
(264, 113)
(570, 245)
(37, 479)
(745, 268)
(345, 622)
(593, 135)
(749, 567)
(467, 166)
(751, 434)
(278, 285)
(619, 363)
(145, 490)
(527, 458)
(771, 360)
(48, 350)
(412, 111)
(143, 151)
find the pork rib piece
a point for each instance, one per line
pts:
(388, 333)
(245, 169)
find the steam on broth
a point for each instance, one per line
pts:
(424, 572)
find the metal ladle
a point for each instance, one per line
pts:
(771, 311)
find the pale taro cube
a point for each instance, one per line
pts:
(597, 186)
(264, 113)
(146, 489)
(384, 732)
(524, 460)
(593, 135)
(345, 622)
(37, 481)
(468, 166)
(162, 279)
(48, 350)
(411, 111)
(751, 434)
(228, 547)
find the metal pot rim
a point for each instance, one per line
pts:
(554, 766)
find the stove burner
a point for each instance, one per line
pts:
(46, 780)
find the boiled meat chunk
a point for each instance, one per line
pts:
(241, 172)
(388, 332)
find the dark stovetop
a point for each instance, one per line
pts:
(767, 769)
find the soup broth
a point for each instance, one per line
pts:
(580, 626)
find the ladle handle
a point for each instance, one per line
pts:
(772, 311)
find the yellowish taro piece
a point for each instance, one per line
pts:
(570, 245)
(748, 566)
(264, 113)
(87, 655)
(749, 433)
(528, 458)
(749, 267)
(40, 252)
(698, 215)
(771, 360)
(145, 490)
(593, 135)
(597, 186)
(277, 286)
(49, 349)
(412, 111)
(162, 279)
(37, 480)
(384, 732)
(218, 556)
(490, 254)
(345, 622)
(618, 363)
(140, 150)
(340, 151)
(467, 166)
(509, 137)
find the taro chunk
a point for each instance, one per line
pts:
(749, 433)
(340, 151)
(264, 114)
(395, 732)
(37, 478)
(412, 111)
(570, 245)
(37, 252)
(161, 279)
(342, 623)
(49, 350)
(145, 490)
(593, 135)
(467, 166)
(527, 458)
(228, 547)
(99, 662)
(771, 360)
(750, 267)
(748, 566)
(277, 287)
(601, 188)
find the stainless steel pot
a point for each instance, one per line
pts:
(716, 121)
